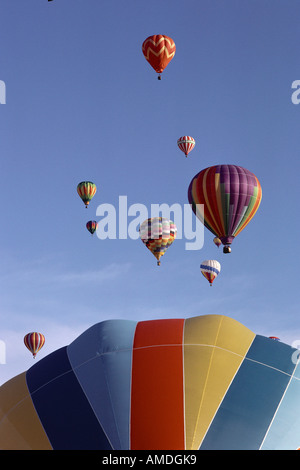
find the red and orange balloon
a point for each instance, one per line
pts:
(159, 50)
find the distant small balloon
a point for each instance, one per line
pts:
(158, 50)
(186, 144)
(34, 342)
(217, 241)
(86, 190)
(158, 234)
(210, 269)
(92, 226)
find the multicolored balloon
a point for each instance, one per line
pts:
(210, 269)
(34, 342)
(186, 144)
(225, 198)
(158, 233)
(158, 50)
(200, 383)
(217, 241)
(92, 226)
(86, 190)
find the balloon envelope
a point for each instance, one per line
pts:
(92, 226)
(158, 234)
(210, 269)
(186, 144)
(34, 342)
(205, 382)
(86, 190)
(217, 241)
(158, 50)
(225, 198)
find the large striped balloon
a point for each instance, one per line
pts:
(158, 233)
(158, 50)
(186, 144)
(225, 198)
(205, 382)
(34, 342)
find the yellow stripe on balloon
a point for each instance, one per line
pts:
(20, 427)
(214, 348)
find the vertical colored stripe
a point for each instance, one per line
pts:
(257, 195)
(284, 431)
(218, 196)
(20, 427)
(101, 359)
(207, 190)
(157, 402)
(211, 187)
(252, 399)
(214, 347)
(62, 406)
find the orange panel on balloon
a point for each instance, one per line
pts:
(157, 398)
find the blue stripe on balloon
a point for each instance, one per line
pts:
(62, 406)
(209, 268)
(101, 358)
(284, 432)
(251, 401)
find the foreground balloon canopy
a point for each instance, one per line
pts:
(158, 234)
(225, 198)
(205, 382)
(159, 50)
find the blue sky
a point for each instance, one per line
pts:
(82, 103)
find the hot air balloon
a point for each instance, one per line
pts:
(210, 269)
(158, 50)
(34, 342)
(275, 338)
(225, 198)
(92, 226)
(217, 241)
(205, 382)
(158, 233)
(86, 190)
(186, 144)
